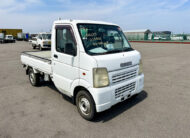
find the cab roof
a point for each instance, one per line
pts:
(82, 21)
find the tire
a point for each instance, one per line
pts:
(33, 78)
(85, 105)
(40, 48)
(33, 46)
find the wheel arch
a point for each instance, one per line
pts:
(29, 67)
(77, 89)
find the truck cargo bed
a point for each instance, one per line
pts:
(44, 55)
(39, 60)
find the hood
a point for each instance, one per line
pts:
(118, 61)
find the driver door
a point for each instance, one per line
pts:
(65, 62)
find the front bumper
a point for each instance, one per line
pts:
(46, 46)
(105, 98)
(9, 40)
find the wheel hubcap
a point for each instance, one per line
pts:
(84, 105)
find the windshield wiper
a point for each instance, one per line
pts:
(128, 49)
(114, 51)
(108, 52)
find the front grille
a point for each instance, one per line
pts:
(127, 88)
(124, 76)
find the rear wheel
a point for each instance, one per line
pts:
(85, 105)
(33, 46)
(33, 78)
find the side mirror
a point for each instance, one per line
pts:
(70, 49)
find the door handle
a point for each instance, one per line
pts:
(55, 56)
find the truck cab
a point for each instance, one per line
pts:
(33, 42)
(2, 37)
(44, 41)
(90, 61)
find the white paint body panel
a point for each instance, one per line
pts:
(34, 42)
(112, 61)
(37, 64)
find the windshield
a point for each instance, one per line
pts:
(46, 36)
(103, 39)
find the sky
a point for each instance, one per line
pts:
(38, 15)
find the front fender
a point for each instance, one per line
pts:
(79, 82)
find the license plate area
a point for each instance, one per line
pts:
(125, 91)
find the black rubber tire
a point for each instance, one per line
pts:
(33, 46)
(40, 48)
(36, 78)
(92, 113)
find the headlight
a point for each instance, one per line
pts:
(100, 77)
(140, 67)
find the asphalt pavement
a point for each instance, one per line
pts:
(161, 110)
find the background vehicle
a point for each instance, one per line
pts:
(43, 41)
(26, 36)
(2, 37)
(9, 39)
(92, 62)
(33, 41)
(159, 38)
(22, 36)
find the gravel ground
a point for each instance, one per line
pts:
(161, 110)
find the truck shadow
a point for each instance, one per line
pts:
(52, 86)
(110, 113)
(120, 108)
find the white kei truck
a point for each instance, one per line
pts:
(9, 39)
(42, 41)
(90, 61)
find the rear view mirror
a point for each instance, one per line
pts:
(70, 49)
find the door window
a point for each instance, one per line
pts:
(65, 42)
(40, 36)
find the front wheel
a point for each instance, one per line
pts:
(41, 48)
(33, 46)
(85, 105)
